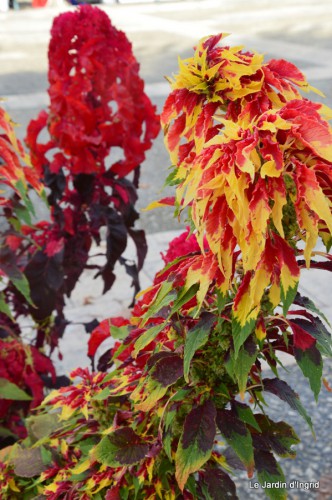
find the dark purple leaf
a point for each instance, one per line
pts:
(138, 237)
(276, 436)
(232, 459)
(281, 389)
(228, 423)
(200, 426)
(116, 238)
(132, 271)
(265, 462)
(308, 304)
(326, 266)
(45, 276)
(130, 448)
(8, 263)
(168, 369)
(85, 186)
(104, 362)
(91, 325)
(219, 485)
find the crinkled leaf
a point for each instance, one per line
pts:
(196, 441)
(40, 426)
(28, 462)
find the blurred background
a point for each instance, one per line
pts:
(160, 31)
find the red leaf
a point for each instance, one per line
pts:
(302, 339)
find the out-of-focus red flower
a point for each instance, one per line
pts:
(22, 365)
(182, 245)
(97, 99)
(102, 332)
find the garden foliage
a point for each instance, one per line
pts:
(85, 153)
(183, 401)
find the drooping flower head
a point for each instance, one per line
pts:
(97, 100)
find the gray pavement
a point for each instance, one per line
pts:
(298, 30)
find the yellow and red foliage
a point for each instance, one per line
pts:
(183, 401)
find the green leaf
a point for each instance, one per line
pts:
(4, 308)
(46, 455)
(4, 432)
(282, 390)
(242, 364)
(241, 333)
(23, 287)
(221, 301)
(196, 442)
(195, 339)
(171, 179)
(119, 332)
(121, 447)
(288, 297)
(147, 337)
(9, 390)
(23, 214)
(237, 436)
(40, 426)
(268, 473)
(244, 412)
(184, 297)
(164, 297)
(311, 363)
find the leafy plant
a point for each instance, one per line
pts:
(183, 402)
(85, 152)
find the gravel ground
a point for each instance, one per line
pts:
(314, 457)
